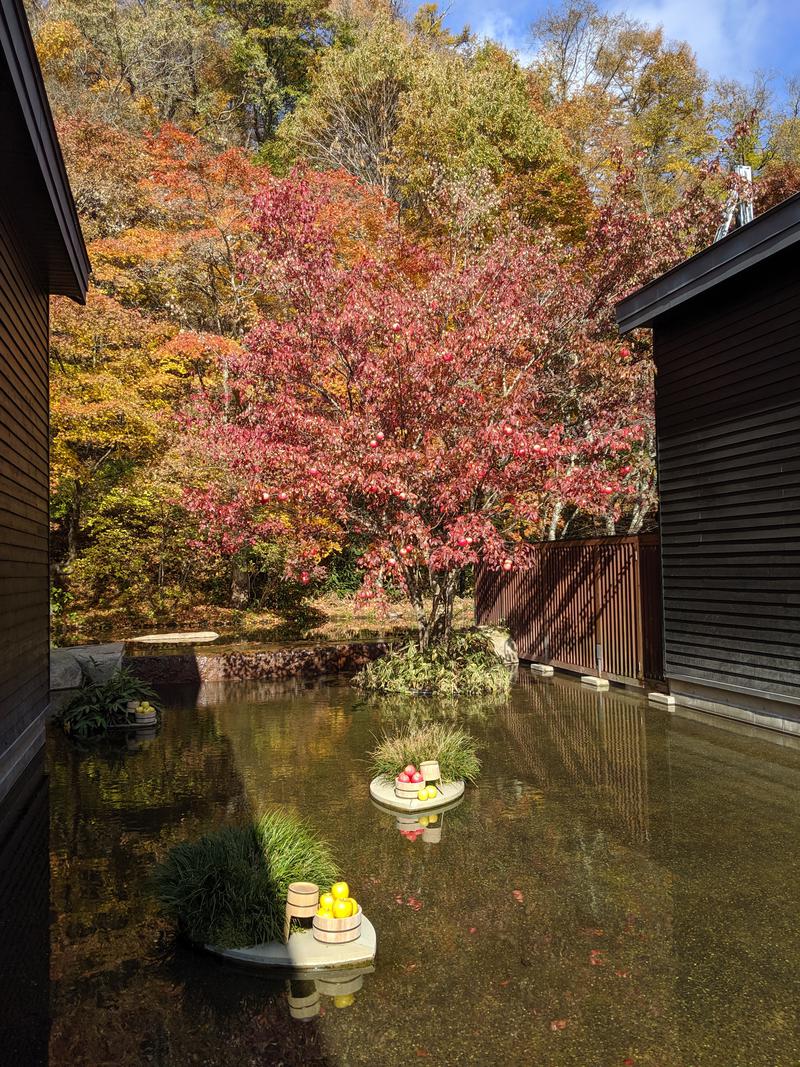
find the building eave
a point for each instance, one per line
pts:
(66, 256)
(742, 249)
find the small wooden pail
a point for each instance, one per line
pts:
(340, 985)
(337, 931)
(304, 1008)
(407, 790)
(302, 899)
(429, 769)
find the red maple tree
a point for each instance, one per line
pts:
(406, 398)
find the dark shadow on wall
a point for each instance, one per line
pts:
(24, 920)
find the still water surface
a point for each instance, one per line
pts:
(621, 888)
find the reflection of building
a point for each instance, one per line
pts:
(41, 252)
(588, 738)
(24, 910)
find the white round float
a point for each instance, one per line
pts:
(302, 953)
(382, 791)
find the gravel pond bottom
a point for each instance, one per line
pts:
(620, 888)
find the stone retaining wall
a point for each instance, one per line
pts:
(233, 666)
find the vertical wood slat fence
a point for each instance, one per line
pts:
(591, 606)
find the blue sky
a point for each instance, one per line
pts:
(732, 38)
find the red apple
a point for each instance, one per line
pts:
(416, 777)
(409, 770)
(403, 777)
(507, 564)
(462, 542)
(379, 435)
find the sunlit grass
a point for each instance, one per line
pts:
(453, 748)
(229, 887)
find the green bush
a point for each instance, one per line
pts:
(465, 666)
(454, 748)
(100, 704)
(229, 888)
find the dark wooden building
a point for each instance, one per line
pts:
(41, 252)
(726, 333)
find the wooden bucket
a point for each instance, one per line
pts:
(429, 769)
(337, 931)
(432, 834)
(339, 986)
(407, 790)
(304, 1008)
(302, 899)
(146, 719)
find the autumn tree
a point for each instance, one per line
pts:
(400, 396)
(412, 110)
(618, 89)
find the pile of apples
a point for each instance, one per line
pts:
(337, 903)
(411, 774)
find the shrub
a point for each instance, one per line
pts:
(229, 888)
(100, 704)
(465, 666)
(454, 748)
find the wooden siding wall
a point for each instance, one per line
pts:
(24, 583)
(582, 600)
(728, 415)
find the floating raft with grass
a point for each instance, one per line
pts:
(303, 953)
(382, 791)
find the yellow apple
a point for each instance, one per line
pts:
(343, 1000)
(342, 909)
(340, 890)
(422, 794)
(326, 901)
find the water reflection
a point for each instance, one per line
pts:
(620, 885)
(594, 740)
(24, 906)
(306, 996)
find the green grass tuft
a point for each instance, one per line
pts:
(465, 666)
(229, 888)
(454, 748)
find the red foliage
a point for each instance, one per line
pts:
(417, 402)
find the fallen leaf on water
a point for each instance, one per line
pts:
(596, 958)
(558, 1024)
(473, 929)
(627, 1062)
(517, 895)
(505, 982)
(623, 974)
(422, 1052)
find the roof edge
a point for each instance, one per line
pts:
(767, 234)
(17, 46)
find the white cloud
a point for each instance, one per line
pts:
(728, 35)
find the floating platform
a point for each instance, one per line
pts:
(303, 953)
(382, 792)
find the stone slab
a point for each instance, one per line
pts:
(595, 682)
(382, 792)
(198, 637)
(544, 669)
(666, 699)
(304, 953)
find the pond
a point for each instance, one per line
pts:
(620, 888)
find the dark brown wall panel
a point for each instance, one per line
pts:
(24, 633)
(728, 414)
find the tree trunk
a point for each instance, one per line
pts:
(436, 625)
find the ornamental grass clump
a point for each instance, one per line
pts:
(229, 888)
(466, 665)
(453, 748)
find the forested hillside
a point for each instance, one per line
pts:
(426, 152)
